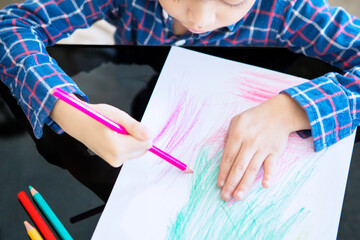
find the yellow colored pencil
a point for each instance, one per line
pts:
(32, 232)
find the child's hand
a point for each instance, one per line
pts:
(255, 137)
(111, 146)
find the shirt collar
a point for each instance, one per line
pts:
(165, 14)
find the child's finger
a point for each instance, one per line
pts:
(132, 126)
(249, 177)
(269, 170)
(236, 173)
(231, 150)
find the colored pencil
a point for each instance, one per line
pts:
(64, 96)
(35, 216)
(49, 214)
(32, 232)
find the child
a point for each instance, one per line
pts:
(328, 105)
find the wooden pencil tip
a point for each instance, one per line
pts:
(27, 226)
(30, 187)
(188, 170)
(32, 190)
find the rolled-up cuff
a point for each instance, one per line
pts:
(44, 117)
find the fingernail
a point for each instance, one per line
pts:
(226, 195)
(240, 195)
(267, 183)
(221, 184)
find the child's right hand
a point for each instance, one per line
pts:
(111, 146)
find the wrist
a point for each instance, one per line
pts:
(68, 118)
(295, 116)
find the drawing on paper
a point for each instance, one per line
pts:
(191, 107)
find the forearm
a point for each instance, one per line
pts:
(26, 30)
(30, 81)
(31, 74)
(70, 119)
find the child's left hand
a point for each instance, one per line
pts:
(255, 137)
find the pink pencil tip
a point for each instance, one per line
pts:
(188, 170)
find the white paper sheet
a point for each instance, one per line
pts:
(195, 98)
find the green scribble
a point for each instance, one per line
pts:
(259, 216)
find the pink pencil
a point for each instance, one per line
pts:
(61, 94)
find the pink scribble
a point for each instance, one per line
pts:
(257, 87)
(252, 89)
(173, 117)
(183, 117)
(275, 77)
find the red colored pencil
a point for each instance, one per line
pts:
(35, 216)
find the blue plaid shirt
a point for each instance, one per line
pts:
(310, 27)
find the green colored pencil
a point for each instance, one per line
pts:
(49, 214)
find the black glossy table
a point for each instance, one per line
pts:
(124, 76)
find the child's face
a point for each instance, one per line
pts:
(201, 16)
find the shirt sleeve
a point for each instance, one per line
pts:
(25, 67)
(332, 102)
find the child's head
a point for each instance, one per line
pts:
(206, 15)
